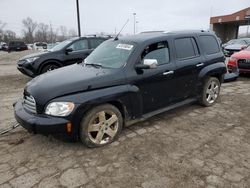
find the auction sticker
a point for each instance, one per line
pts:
(125, 46)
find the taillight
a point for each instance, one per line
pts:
(232, 62)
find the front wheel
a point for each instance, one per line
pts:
(49, 67)
(210, 91)
(100, 126)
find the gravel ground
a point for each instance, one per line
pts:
(188, 147)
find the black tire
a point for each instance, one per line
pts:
(89, 138)
(214, 93)
(49, 67)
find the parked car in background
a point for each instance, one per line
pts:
(65, 53)
(30, 46)
(235, 45)
(2, 44)
(240, 62)
(40, 46)
(123, 81)
(16, 46)
(52, 45)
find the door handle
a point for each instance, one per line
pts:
(168, 72)
(199, 64)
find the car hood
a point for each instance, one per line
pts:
(72, 79)
(39, 54)
(234, 47)
(244, 54)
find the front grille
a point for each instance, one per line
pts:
(29, 103)
(244, 63)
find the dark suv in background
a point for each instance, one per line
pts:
(123, 81)
(65, 53)
(16, 46)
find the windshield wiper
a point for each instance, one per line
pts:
(96, 65)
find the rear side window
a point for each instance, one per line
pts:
(95, 42)
(209, 44)
(186, 48)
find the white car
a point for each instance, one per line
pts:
(40, 46)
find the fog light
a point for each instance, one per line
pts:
(69, 127)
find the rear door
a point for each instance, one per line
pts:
(188, 61)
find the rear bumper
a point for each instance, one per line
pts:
(41, 124)
(244, 70)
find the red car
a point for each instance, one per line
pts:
(240, 62)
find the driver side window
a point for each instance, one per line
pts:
(79, 45)
(158, 51)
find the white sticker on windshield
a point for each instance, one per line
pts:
(125, 46)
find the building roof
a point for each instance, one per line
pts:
(241, 15)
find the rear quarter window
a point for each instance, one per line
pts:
(209, 44)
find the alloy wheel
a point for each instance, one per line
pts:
(103, 127)
(212, 92)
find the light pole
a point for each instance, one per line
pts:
(137, 23)
(134, 21)
(78, 18)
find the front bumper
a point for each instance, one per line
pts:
(38, 123)
(25, 71)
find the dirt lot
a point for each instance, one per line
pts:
(188, 147)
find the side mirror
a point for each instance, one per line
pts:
(68, 50)
(147, 64)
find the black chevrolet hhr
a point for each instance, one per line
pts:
(121, 82)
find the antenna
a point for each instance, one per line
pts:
(116, 38)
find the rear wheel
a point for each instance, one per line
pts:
(101, 126)
(49, 67)
(210, 91)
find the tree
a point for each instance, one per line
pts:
(63, 32)
(9, 35)
(72, 33)
(29, 28)
(2, 25)
(41, 34)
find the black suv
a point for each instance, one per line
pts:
(17, 46)
(65, 53)
(124, 81)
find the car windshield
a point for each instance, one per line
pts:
(236, 42)
(110, 54)
(61, 45)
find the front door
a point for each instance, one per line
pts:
(80, 51)
(157, 86)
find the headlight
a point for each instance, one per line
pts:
(59, 108)
(31, 59)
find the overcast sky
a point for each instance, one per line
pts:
(106, 15)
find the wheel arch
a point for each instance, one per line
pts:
(47, 62)
(214, 70)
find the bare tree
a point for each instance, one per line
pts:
(63, 32)
(2, 25)
(52, 34)
(72, 33)
(30, 27)
(9, 35)
(42, 33)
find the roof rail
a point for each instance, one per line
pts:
(98, 35)
(144, 32)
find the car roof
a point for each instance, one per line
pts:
(145, 36)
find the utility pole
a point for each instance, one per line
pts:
(134, 21)
(78, 18)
